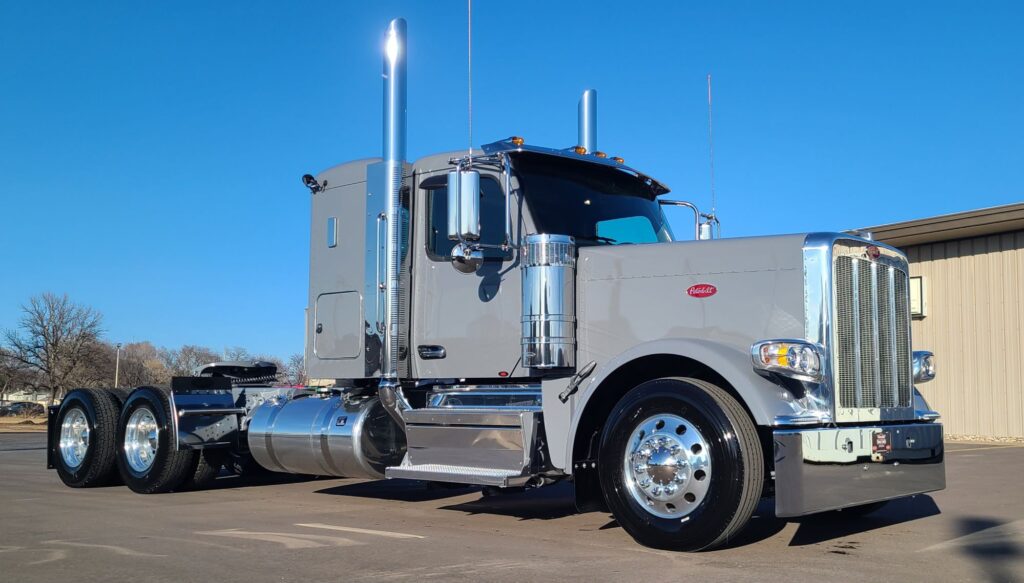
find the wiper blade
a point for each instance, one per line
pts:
(597, 239)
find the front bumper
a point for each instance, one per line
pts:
(831, 468)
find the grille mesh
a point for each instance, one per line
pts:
(872, 335)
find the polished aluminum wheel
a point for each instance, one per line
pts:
(140, 440)
(74, 438)
(667, 466)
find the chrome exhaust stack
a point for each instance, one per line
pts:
(390, 389)
(587, 132)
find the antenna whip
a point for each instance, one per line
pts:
(711, 147)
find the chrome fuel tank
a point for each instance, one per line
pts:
(336, 436)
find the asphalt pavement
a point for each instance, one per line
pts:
(309, 530)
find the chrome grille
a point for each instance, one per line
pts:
(872, 334)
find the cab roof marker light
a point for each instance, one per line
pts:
(796, 359)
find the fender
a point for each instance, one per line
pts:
(761, 397)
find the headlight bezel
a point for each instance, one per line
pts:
(792, 358)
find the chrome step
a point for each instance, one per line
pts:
(502, 478)
(519, 396)
(496, 416)
(470, 445)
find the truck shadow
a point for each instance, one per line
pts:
(558, 501)
(400, 490)
(993, 545)
(547, 503)
(827, 526)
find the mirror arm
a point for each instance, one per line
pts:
(506, 164)
(691, 206)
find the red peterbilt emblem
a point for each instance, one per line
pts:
(873, 252)
(701, 290)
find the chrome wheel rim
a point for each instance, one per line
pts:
(667, 466)
(140, 440)
(74, 438)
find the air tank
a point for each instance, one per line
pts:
(549, 302)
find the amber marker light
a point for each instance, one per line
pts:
(600, 154)
(518, 141)
(579, 150)
(618, 159)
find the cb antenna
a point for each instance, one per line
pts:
(469, 59)
(711, 149)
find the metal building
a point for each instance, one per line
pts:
(967, 296)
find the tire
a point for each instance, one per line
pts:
(84, 452)
(145, 458)
(695, 469)
(206, 468)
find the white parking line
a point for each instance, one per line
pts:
(1009, 535)
(383, 533)
(286, 539)
(985, 447)
(112, 548)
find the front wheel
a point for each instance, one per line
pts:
(680, 464)
(146, 457)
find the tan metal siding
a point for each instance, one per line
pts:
(974, 324)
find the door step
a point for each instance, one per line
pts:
(459, 475)
(470, 445)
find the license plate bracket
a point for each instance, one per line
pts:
(881, 444)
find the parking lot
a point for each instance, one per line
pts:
(354, 530)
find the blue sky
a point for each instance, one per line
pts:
(151, 154)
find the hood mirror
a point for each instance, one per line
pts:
(466, 259)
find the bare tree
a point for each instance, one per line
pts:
(186, 360)
(297, 369)
(14, 374)
(54, 338)
(238, 354)
(141, 365)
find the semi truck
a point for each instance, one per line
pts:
(514, 316)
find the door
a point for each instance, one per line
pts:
(473, 319)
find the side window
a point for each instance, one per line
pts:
(492, 220)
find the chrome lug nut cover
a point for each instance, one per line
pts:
(140, 440)
(74, 438)
(666, 466)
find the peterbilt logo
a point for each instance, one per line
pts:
(701, 290)
(873, 252)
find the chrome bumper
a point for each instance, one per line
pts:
(831, 468)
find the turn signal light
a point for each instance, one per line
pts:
(600, 154)
(792, 358)
(517, 140)
(579, 150)
(924, 366)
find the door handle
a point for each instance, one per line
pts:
(431, 352)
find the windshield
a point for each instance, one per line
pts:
(598, 205)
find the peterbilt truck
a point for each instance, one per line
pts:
(515, 316)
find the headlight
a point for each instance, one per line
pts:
(792, 358)
(924, 366)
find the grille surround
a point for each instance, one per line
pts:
(871, 350)
(826, 401)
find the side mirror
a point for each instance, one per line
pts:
(464, 205)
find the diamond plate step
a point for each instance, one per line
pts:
(458, 474)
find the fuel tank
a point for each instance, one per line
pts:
(353, 437)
